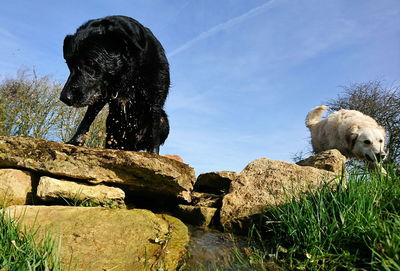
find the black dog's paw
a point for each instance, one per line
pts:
(72, 142)
(77, 140)
(155, 150)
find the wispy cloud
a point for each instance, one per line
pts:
(222, 26)
(8, 40)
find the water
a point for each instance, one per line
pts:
(211, 246)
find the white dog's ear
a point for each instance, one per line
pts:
(351, 136)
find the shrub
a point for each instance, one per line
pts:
(30, 107)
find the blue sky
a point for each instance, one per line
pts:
(244, 73)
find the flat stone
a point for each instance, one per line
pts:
(51, 189)
(95, 238)
(15, 187)
(138, 170)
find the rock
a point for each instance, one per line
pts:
(264, 183)
(330, 160)
(51, 189)
(215, 182)
(196, 215)
(138, 170)
(206, 199)
(15, 187)
(174, 157)
(95, 238)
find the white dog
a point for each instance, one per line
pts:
(354, 134)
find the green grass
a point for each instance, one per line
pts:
(20, 252)
(356, 226)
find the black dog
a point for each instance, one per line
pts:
(118, 61)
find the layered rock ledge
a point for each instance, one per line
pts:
(137, 170)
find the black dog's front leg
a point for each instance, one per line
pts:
(79, 138)
(156, 121)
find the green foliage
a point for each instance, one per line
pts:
(20, 251)
(30, 107)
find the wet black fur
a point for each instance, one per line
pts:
(118, 61)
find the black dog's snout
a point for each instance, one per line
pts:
(66, 98)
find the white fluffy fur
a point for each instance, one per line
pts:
(351, 132)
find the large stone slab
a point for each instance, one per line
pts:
(264, 183)
(139, 170)
(15, 186)
(51, 189)
(94, 238)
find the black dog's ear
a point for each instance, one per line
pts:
(68, 47)
(351, 136)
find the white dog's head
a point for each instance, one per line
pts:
(368, 143)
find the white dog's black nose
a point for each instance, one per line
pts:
(380, 156)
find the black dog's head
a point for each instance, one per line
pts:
(97, 54)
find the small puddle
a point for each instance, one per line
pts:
(209, 246)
